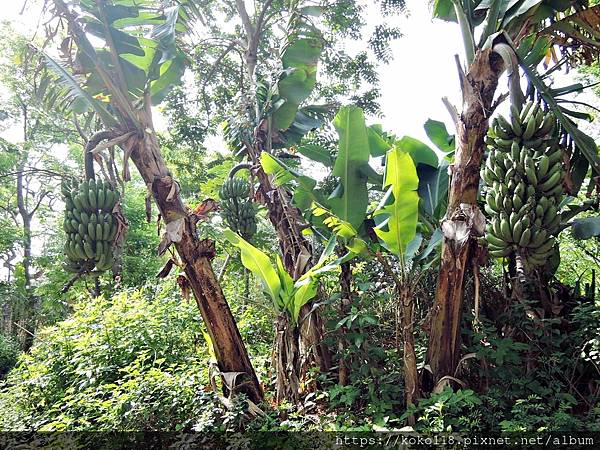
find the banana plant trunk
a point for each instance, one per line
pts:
(196, 256)
(345, 279)
(296, 350)
(464, 221)
(411, 377)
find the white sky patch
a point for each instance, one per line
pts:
(421, 73)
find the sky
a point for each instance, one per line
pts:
(412, 84)
(421, 73)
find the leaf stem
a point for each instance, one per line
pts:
(466, 30)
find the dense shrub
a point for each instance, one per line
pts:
(137, 361)
(9, 351)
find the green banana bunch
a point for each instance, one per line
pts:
(89, 225)
(524, 178)
(239, 211)
(234, 188)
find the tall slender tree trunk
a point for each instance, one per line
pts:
(346, 290)
(26, 226)
(29, 314)
(464, 221)
(196, 256)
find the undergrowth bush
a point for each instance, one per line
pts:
(9, 350)
(136, 361)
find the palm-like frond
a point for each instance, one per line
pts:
(76, 93)
(577, 35)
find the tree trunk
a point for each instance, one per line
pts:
(286, 360)
(26, 223)
(345, 301)
(411, 377)
(28, 318)
(297, 253)
(464, 221)
(196, 257)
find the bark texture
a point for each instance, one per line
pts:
(346, 290)
(464, 221)
(292, 359)
(411, 377)
(196, 257)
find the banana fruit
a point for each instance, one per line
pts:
(524, 185)
(238, 209)
(89, 225)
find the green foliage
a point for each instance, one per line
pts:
(446, 411)
(9, 351)
(299, 62)
(531, 414)
(400, 224)
(286, 294)
(140, 261)
(349, 200)
(132, 362)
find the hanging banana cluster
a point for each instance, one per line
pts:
(524, 176)
(238, 210)
(90, 225)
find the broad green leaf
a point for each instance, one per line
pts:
(400, 224)
(339, 227)
(124, 42)
(351, 199)
(143, 18)
(297, 84)
(505, 5)
(327, 252)
(171, 73)
(316, 153)
(76, 91)
(491, 21)
(306, 289)
(444, 9)
(433, 188)
(303, 52)
(366, 171)
(421, 153)
(307, 118)
(435, 241)
(438, 134)
(304, 193)
(258, 263)
(287, 285)
(357, 246)
(377, 143)
(284, 114)
(299, 77)
(273, 166)
(519, 12)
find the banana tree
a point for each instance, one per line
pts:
(396, 218)
(349, 199)
(126, 59)
(289, 296)
(415, 184)
(511, 35)
(275, 118)
(397, 230)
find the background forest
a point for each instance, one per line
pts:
(206, 228)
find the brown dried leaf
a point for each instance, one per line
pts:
(164, 272)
